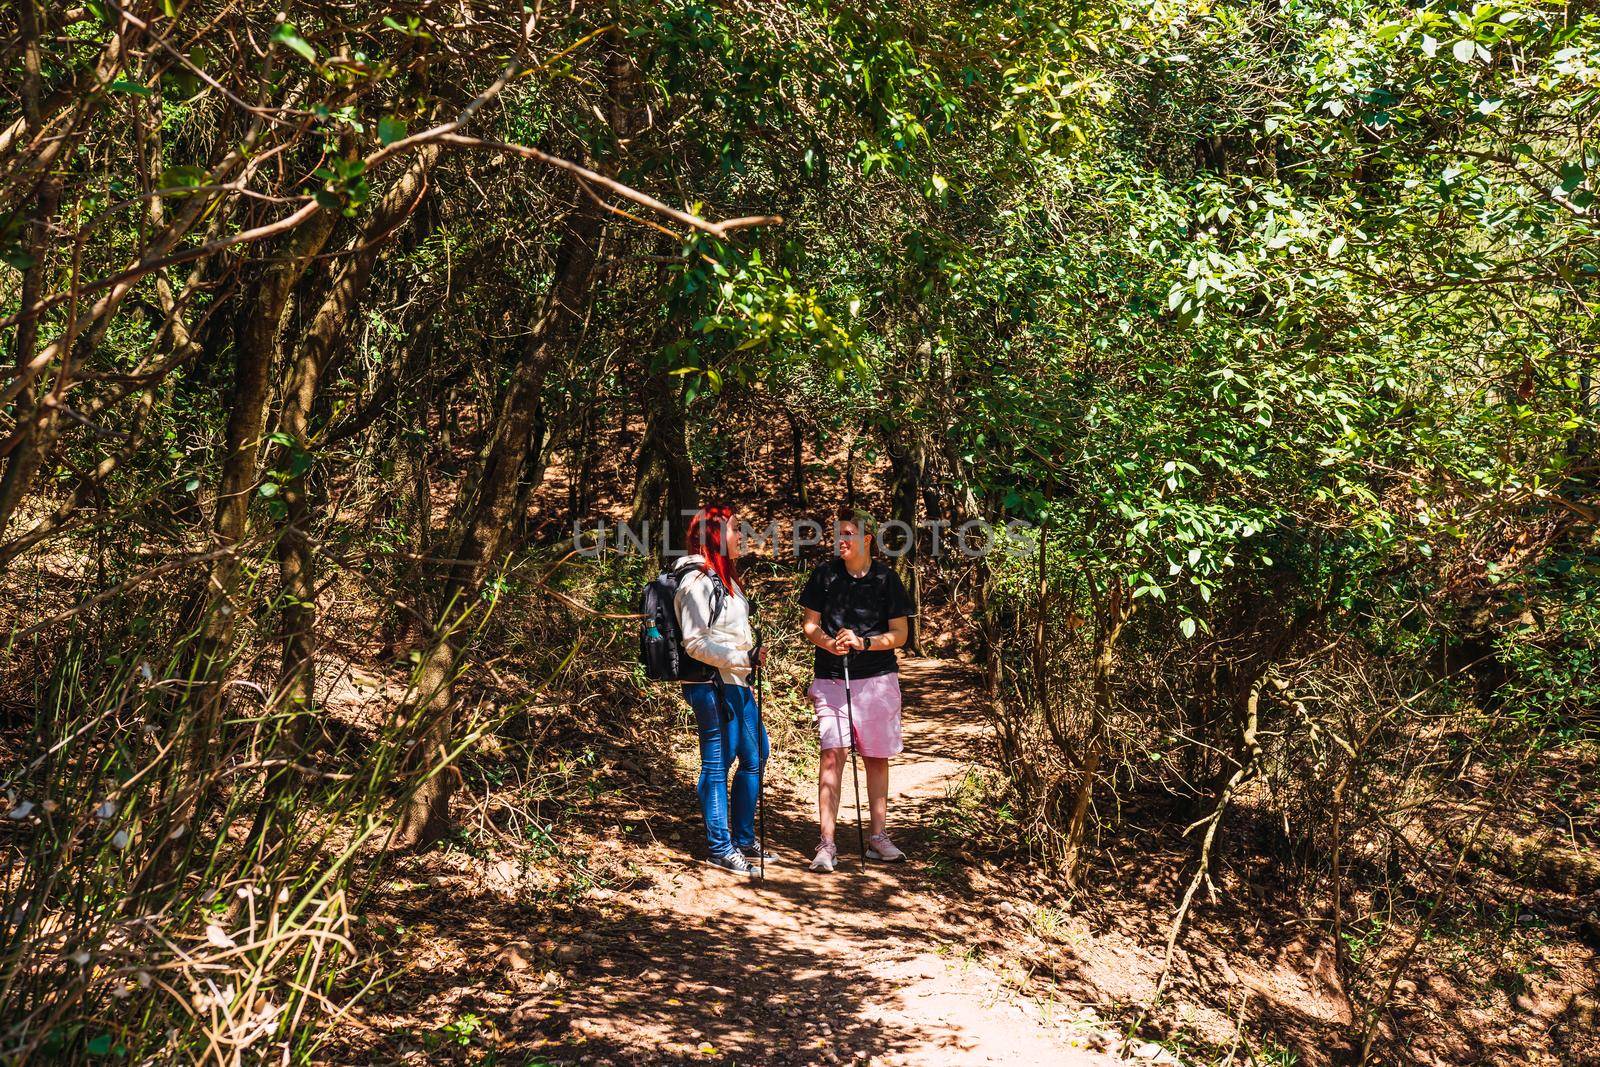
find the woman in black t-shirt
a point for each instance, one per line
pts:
(856, 606)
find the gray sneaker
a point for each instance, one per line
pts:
(827, 858)
(735, 862)
(879, 847)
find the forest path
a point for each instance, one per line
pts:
(876, 965)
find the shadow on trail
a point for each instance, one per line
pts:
(645, 986)
(692, 964)
(775, 970)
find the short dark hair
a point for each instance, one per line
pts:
(864, 523)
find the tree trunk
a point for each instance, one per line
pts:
(797, 451)
(25, 460)
(483, 521)
(992, 628)
(1110, 615)
(411, 506)
(850, 474)
(425, 814)
(328, 335)
(34, 425)
(321, 346)
(533, 468)
(906, 458)
(664, 485)
(257, 342)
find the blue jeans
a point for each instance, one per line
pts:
(729, 729)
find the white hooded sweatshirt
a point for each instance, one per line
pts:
(726, 643)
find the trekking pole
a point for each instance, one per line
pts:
(759, 676)
(855, 771)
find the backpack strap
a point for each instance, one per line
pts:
(718, 596)
(719, 593)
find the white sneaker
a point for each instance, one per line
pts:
(827, 858)
(879, 847)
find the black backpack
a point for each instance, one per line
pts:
(661, 639)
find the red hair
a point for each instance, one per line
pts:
(708, 535)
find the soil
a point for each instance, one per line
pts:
(879, 963)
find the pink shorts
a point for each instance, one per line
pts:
(874, 705)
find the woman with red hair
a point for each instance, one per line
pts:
(714, 618)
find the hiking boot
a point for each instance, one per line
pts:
(879, 847)
(827, 858)
(735, 862)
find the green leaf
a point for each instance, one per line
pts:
(412, 28)
(286, 35)
(99, 1045)
(182, 176)
(1187, 626)
(123, 85)
(268, 489)
(391, 129)
(1464, 50)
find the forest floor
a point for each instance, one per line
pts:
(913, 963)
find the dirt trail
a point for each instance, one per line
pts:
(874, 964)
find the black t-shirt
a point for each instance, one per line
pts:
(862, 605)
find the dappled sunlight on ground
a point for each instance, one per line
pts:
(688, 963)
